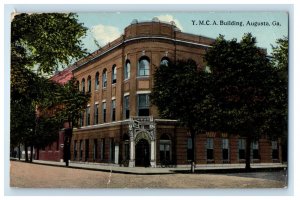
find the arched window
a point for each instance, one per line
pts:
(83, 85)
(127, 70)
(165, 61)
(97, 81)
(78, 85)
(165, 148)
(144, 66)
(89, 84)
(114, 74)
(104, 78)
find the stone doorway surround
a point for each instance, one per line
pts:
(142, 127)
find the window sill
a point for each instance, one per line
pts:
(143, 77)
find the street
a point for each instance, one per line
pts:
(26, 175)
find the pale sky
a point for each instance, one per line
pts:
(107, 26)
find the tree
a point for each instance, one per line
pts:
(244, 81)
(48, 40)
(42, 42)
(177, 95)
(69, 106)
(278, 117)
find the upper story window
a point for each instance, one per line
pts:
(104, 112)
(127, 70)
(144, 66)
(97, 81)
(164, 61)
(89, 84)
(114, 74)
(83, 85)
(88, 116)
(78, 85)
(143, 104)
(126, 107)
(113, 110)
(104, 78)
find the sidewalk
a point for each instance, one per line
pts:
(200, 168)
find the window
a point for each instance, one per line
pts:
(88, 116)
(104, 78)
(126, 146)
(87, 150)
(114, 74)
(102, 149)
(104, 112)
(96, 110)
(111, 150)
(113, 110)
(255, 151)
(80, 149)
(126, 107)
(164, 61)
(242, 149)
(275, 154)
(143, 104)
(78, 85)
(127, 70)
(190, 153)
(95, 147)
(210, 148)
(81, 119)
(89, 82)
(75, 149)
(97, 81)
(225, 149)
(83, 85)
(165, 148)
(144, 67)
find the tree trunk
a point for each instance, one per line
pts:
(26, 153)
(31, 153)
(248, 153)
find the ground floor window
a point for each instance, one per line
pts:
(86, 150)
(242, 149)
(255, 150)
(112, 150)
(225, 149)
(190, 153)
(75, 149)
(102, 149)
(80, 149)
(95, 149)
(164, 150)
(210, 148)
(275, 154)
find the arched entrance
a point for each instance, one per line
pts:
(142, 153)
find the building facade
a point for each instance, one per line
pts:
(121, 127)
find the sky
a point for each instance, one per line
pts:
(104, 27)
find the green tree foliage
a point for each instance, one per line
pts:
(47, 40)
(245, 84)
(43, 42)
(182, 91)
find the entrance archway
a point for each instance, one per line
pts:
(142, 153)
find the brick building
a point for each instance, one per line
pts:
(120, 126)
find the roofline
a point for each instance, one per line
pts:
(142, 38)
